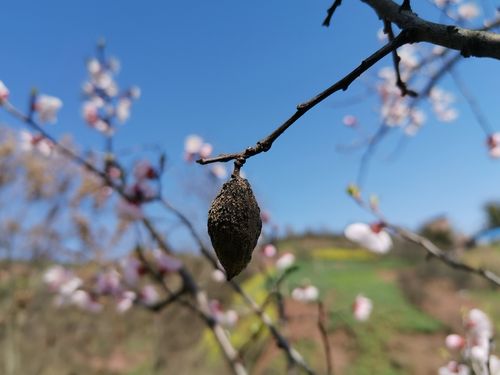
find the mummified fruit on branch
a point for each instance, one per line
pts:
(234, 225)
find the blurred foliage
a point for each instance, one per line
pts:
(492, 212)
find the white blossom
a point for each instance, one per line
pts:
(126, 301)
(35, 142)
(4, 92)
(371, 237)
(307, 293)
(218, 276)
(165, 262)
(193, 144)
(219, 171)
(362, 308)
(123, 109)
(455, 342)
(285, 261)
(468, 11)
(269, 250)
(149, 295)
(84, 301)
(47, 108)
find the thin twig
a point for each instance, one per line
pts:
(266, 143)
(472, 102)
(431, 248)
(330, 12)
(322, 317)
(396, 60)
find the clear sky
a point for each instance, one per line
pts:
(232, 71)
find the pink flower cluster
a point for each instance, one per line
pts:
(139, 192)
(46, 107)
(473, 349)
(226, 318)
(104, 102)
(195, 148)
(123, 285)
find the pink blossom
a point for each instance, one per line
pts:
(56, 276)
(454, 368)
(381, 35)
(108, 282)
(165, 262)
(468, 11)
(265, 216)
(143, 170)
(493, 143)
(132, 270)
(35, 142)
(93, 66)
(478, 323)
(307, 293)
(140, 192)
(285, 261)
(218, 276)
(372, 237)
(4, 93)
(362, 308)
(269, 250)
(113, 172)
(104, 81)
(219, 171)
(62, 281)
(193, 144)
(47, 108)
(441, 102)
(408, 56)
(84, 301)
(123, 109)
(103, 127)
(455, 342)
(90, 112)
(494, 364)
(149, 295)
(205, 150)
(350, 120)
(126, 301)
(227, 318)
(70, 286)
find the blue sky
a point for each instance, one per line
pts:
(232, 71)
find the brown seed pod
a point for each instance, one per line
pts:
(234, 225)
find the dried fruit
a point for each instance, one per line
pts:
(234, 225)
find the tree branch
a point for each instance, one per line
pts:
(430, 247)
(468, 42)
(189, 283)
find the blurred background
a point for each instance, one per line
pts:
(224, 75)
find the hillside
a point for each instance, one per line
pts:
(416, 304)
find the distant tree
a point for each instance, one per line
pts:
(440, 232)
(492, 211)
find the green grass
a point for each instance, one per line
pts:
(340, 282)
